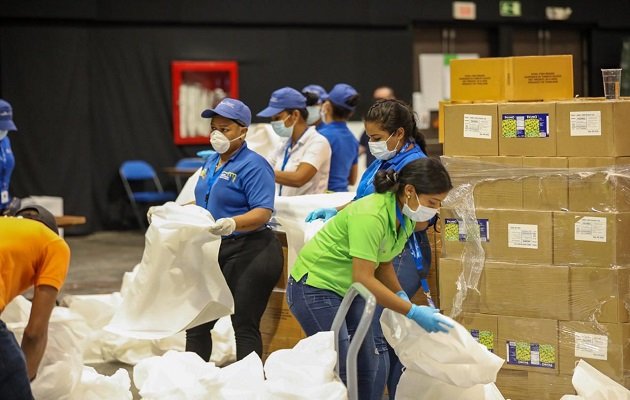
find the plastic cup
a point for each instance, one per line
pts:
(612, 82)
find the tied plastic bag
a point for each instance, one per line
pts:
(591, 384)
(454, 358)
(94, 386)
(417, 386)
(179, 284)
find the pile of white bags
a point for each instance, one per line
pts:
(441, 366)
(590, 384)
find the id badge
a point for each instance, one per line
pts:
(4, 196)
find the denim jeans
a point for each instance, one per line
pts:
(14, 382)
(389, 366)
(315, 310)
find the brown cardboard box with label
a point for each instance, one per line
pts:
(454, 236)
(604, 346)
(528, 290)
(591, 239)
(593, 128)
(484, 328)
(471, 129)
(547, 189)
(529, 344)
(548, 387)
(527, 129)
(592, 187)
(600, 294)
(478, 79)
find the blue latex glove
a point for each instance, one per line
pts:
(321, 213)
(403, 295)
(205, 153)
(429, 319)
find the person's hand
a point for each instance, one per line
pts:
(403, 295)
(321, 213)
(205, 153)
(150, 213)
(223, 227)
(429, 319)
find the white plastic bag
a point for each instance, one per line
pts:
(179, 284)
(591, 384)
(454, 358)
(223, 342)
(94, 386)
(242, 380)
(418, 386)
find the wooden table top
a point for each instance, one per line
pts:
(64, 221)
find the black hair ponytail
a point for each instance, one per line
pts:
(426, 175)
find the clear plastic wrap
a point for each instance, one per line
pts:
(536, 245)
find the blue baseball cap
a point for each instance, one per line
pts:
(6, 117)
(316, 89)
(232, 109)
(282, 99)
(340, 94)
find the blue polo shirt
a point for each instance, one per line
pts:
(246, 181)
(366, 184)
(7, 163)
(345, 154)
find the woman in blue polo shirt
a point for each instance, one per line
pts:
(314, 95)
(237, 186)
(394, 141)
(7, 161)
(338, 106)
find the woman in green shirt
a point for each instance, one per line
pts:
(358, 245)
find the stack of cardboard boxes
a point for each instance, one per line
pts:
(551, 190)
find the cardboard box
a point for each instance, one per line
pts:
(278, 327)
(548, 387)
(528, 290)
(547, 188)
(513, 384)
(593, 188)
(499, 190)
(527, 129)
(513, 78)
(528, 344)
(591, 239)
(604, 346)
(593, 128)
(600, 294)
(505, 235)
(484, 328)
(471, 129)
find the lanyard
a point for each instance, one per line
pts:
(287, 154)
(213, 178)
(414, 249)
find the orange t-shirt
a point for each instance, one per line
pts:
(30, 254)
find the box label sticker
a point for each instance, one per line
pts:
(591, 346)
(586, 123)
(523, 236)
(531, 354)
(525, 125)
(454, 230)
(484, 337)
(591, 229)
(478, 126)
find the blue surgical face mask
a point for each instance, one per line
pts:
(3, 134)
(313, 114)
(281, 130)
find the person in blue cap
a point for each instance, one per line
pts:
(395, 141)
(314, 94)
(237, 186)
(7, 160)
(338, 106)
(302, 163)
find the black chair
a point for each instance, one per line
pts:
(135, 173)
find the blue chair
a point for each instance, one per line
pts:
(187, 163)
(141, 173)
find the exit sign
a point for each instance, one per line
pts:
(510, 8)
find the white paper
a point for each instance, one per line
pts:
(591, 229)
(478, 126)
(591, 346)
(586, 123)
(523, 236)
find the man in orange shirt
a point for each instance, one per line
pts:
(31, 254)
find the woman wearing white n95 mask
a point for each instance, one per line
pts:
(314, 95)
(302, 163)
(237, 186)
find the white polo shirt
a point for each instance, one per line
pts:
(311, 148)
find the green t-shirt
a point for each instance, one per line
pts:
(365, 229)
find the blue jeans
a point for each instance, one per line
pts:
(315, 310)
(14, 382)
(389, 366)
